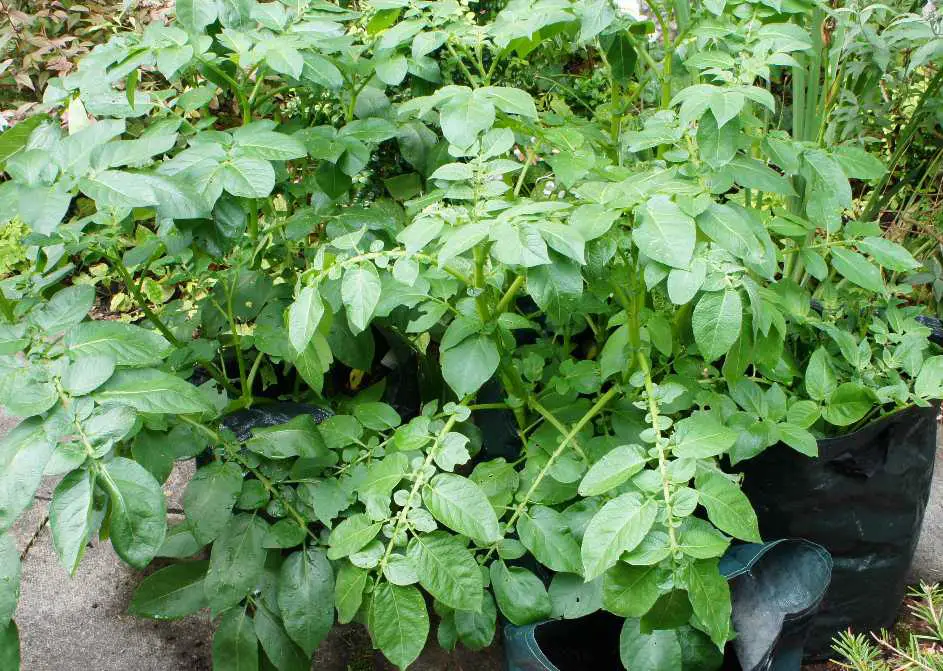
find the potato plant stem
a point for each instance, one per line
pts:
(598, 407)
(418, 477)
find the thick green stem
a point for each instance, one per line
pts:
(660, 446)
(509, 295)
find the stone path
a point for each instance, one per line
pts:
(81, 623)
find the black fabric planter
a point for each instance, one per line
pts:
(862, 499)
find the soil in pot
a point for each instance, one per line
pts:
(590, 642)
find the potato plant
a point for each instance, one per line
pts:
(345, 205)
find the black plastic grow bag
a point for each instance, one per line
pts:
(775, 587)
(862, 499)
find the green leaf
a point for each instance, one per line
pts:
(820, 381)
(209, 499)
(717, 146)
(564, 239)
(152, 391)
(381, 478)
(630, 591)
(727, 507)
(171, 593)
(348, 591)
(857, 269)
(392, 70)
(298, 437)
(398, 622)
(138, 511)
(351, 535)
(518, 244)
(701, 436)
(716, 322)
(257, 140)
(464, 117)
(545, 533)
(360, 291)
(377, 416)
(283, 58)
(804, 413)
(24, 453)
(889, 254)
(699, 539)
(72, 517)
(129, 345)
(929, 382)
(754, 174)
(67, 307)
(595, 16)
(459, 504)
(683, 285)
(573, 598)
(314, 362)
(848, 404)
(622, 57)
(195, 15)
(332, 180)
(476, 629)
(304, 315)
(555, 288)
(509, 100)
(10, 579)
(471, 363)
(520, 594)
(236, 561)
(87, 373)
(666, 234)
(709, 594)
(248, 177)
(447, 570)
(659, 650)
(306, 597)
(618, 527)
(798, 439)
(10, 647)
(727, 227)
(16, 138)
(278, 647)
(858, 163)
(615, 467)
(235, 646)
(27, 391)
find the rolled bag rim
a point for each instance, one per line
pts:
(836, 459)
(521, 640)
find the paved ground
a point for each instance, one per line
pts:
(68, 624)
(928, 562)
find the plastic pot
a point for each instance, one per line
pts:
(863, 499)
(776, 589)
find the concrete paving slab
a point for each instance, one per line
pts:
(928, 561)
(81, 623)
(27, 529)
(176, 484)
